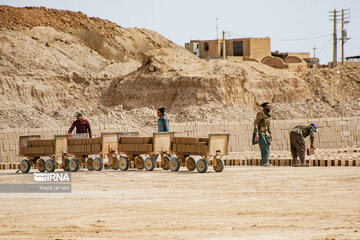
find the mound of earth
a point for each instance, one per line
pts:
(53, 62)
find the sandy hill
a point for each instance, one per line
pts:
(53, 62)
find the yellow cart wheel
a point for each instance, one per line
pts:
(74, 165)
(174, 164)
(115, 163)
(139, 162)
(41, 165)
(124, 163)
(25, 166)
(165, 164)
(201, 166)
(190, 164)
(98, 164)
(66, 165)
(219, 165)
(89, 164)
(50, 165)
(149, 164)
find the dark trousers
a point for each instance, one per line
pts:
(297, 143)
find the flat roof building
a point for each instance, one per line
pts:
(256, 48)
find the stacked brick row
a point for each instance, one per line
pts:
(135, 144)
(190, 146)
(84, 145)
(41, 147)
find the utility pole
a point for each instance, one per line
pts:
(314, 50)
(224, 46)
(345, 16)
(333, 17)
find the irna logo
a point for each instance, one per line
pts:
(52, 177)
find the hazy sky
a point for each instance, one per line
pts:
(293, 26)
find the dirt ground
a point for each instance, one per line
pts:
(239, 203)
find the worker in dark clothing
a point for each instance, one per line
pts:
(163, 123)
(297, 142)
(261, 128)
(82, 125)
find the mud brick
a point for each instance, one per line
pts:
(125, 147)
(175, 147)
(49, 150)
(189, 140)
(71, 142)
(204, 140)
(141, 147)
(190, 148)
(205, 148)
(74, 149)
(95, 148)
(148, 147)
(147, 140)
(237, 162)
(88, 148)
(131, 140)
(310, 151)
(120, 147)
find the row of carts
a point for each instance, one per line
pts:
(121, 150)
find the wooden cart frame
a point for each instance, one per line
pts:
(35, 158)
(217, 147)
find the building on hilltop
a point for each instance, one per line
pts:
(251, 48)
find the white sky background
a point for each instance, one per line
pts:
(283, 21)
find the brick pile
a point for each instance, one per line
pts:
(137, 145)
(85, 145)
(42, 147)
(190, 145)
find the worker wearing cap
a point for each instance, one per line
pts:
(82, 125)
(261, 128)
(297, 142)
(163, 123)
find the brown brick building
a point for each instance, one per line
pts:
(256, 48)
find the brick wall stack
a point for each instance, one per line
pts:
(135, 144)
(333, 133)
(84, 146)
(190, 145)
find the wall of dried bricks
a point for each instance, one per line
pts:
(333, 133)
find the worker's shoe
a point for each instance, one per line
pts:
(266, 165)
(304, 165)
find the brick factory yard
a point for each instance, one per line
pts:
(246, 202)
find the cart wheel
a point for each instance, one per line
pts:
(24, 166)
(124, 164)
(50, 165)
(66, 165)
(149, 164)
(115, 163)
(219, 166)
(139, 162)
(97, 164)
(41, 165)
(174, 164)
(74, 165)
(89, 164)
(166, 163)
(190, 164)
(201, 166)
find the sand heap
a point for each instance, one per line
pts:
(54, 62)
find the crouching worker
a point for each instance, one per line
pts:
(163, 123)
(297, 142)
(82, 125)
